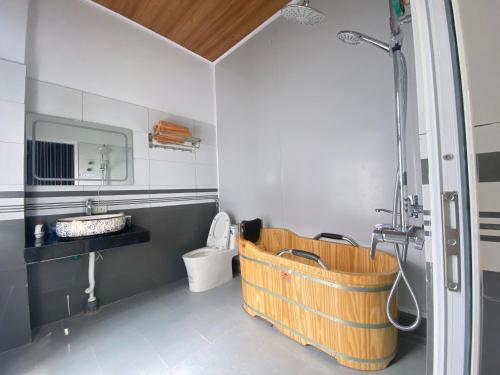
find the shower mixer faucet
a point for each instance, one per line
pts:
(395, 234)
(390, 234)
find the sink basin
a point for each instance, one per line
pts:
(83, 226)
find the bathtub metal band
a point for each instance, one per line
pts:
(318, 345)
(317, 312)
(383, 288)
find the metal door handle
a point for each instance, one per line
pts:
(451, 240)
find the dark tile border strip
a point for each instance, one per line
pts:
(81, 193)
(424, 165)
(491, 215)
(121, 202)
(489, 238)
(489, 226)
(11, 194)
(487, 166)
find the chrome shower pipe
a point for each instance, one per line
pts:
(400, 188)
(400, 77)
(375, 42)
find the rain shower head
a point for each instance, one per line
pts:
(303, 14)
(354, 38)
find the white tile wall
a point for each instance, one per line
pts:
(114, 112)
(13, 77)
(166, 173)
(206, 175)
(156, 167)
(12, 171)
(14, 16)
(17, 187)
(171, 155)
(141, 172)
(54, 100)
(206, 154)
(207, 132)
(487, 138)
(11, 122)
(141, 149)
(478, 36)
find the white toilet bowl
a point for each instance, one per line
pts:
(211, 266)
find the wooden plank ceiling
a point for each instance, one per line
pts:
(207, 27)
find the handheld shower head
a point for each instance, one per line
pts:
(355, 38)
(303, 14)
(349, 37)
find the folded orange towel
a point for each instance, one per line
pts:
(169, 127)
(171, 138)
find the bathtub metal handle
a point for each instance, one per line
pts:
(333, 236)
(303, 254)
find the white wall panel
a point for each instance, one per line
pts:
(12, 155)
(11, 122)
(166, 173)
(78, 45)
(13, 77)
(14, 14)
(55, 100)
(114, 112)
(479, 35)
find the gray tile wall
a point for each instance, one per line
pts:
(125, 271)
(14, 317)
(490, 361)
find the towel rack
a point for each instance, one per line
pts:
(190, 143)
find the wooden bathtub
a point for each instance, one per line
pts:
(341, 311)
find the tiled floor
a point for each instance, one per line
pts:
(172, 331)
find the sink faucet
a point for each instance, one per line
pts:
(89, 203)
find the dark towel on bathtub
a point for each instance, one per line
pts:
(250, 229)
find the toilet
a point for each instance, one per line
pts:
(211, 266)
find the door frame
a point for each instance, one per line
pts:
(440, 108)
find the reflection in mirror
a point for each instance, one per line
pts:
(71, 152)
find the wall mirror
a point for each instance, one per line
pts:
(63, 151)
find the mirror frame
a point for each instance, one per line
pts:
(35, 118)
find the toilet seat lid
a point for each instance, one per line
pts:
(218, 236)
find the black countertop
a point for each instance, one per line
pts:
(52, 247)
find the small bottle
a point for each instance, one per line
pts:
(39, 231)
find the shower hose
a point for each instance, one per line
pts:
(401, 259)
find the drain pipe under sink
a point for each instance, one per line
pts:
(92, 301)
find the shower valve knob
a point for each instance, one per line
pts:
(411, 203)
